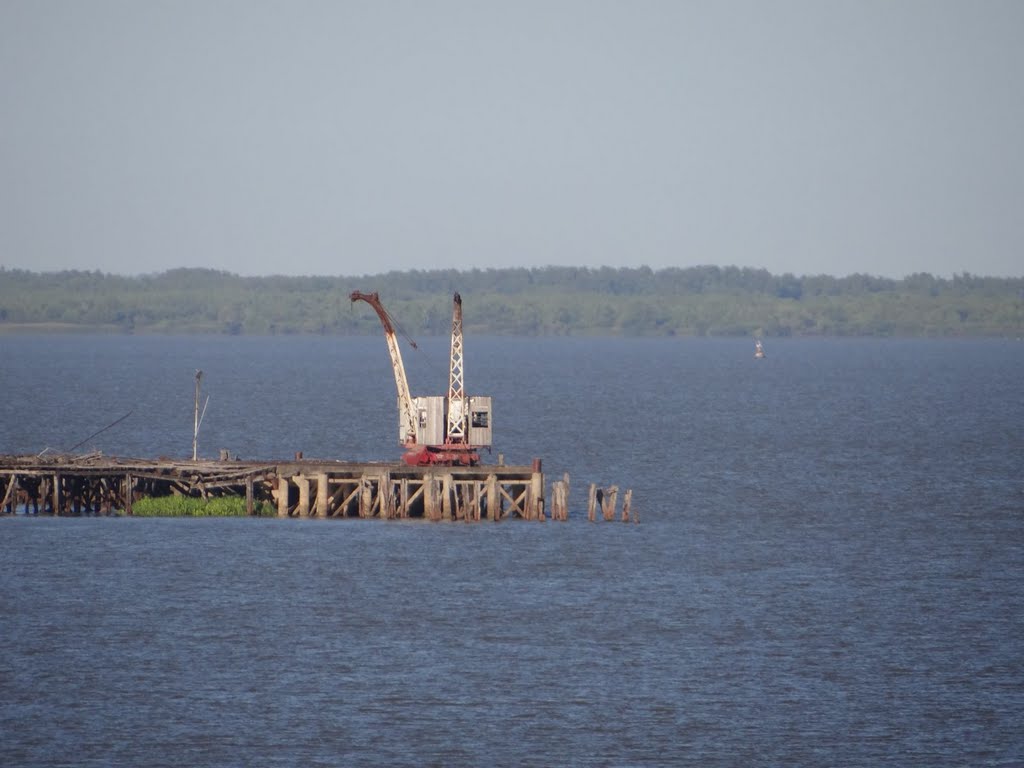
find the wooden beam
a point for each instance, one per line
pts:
(349, 499)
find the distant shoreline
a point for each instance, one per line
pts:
(60, 329)
(730, 302)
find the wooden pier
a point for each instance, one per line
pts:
(74, 485)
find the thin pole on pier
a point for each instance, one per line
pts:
(195, 428)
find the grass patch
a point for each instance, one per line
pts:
(188, 506)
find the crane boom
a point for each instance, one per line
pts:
(401, 382)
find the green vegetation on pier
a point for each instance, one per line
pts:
(188, 506)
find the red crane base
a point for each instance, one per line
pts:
(441, 455)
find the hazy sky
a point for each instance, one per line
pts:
(346, 138)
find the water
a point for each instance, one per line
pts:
(829, 568)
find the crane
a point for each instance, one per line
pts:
(436, 430)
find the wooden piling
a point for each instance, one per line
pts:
(432, 497)
(303, 485)
(386, 492)
(560, 499)
(365, 498)
(608, 502)
(283, 488)
(564, 502)
(446, 497)
(129, 493)
(321, 494)
(535, 501)
(493, 499)
(404, 497)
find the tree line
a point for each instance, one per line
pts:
(692, 301)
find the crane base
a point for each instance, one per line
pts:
(441, 455)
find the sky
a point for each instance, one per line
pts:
(348, 138)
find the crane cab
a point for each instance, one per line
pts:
(431, 421)
(480, 421)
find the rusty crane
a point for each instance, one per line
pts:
(439, 430)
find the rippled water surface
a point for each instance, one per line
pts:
(829, 567)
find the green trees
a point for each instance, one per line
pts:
(693, 301)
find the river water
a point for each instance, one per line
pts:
(829, 567)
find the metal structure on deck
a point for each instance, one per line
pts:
(434, 430)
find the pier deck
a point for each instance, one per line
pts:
(94, 484)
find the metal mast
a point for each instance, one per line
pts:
(456, 387)
(195, 428)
